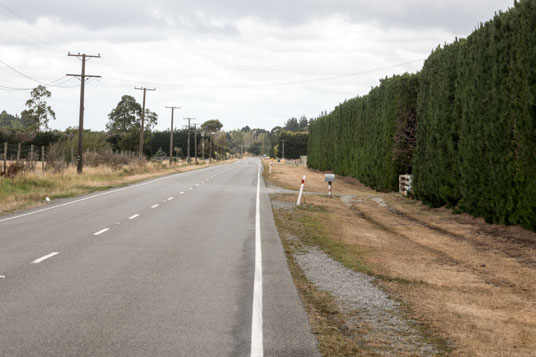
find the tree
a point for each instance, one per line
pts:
(38, 109)
(125, 123)
(125, 115)
(211, 126)
(292, 125)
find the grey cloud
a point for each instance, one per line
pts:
(456, 16)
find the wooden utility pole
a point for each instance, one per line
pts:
(283, 149)
(188, 148)
(83, 77)
(203, 144)
(210, 149)
(140, 150)
(195, 142)
(171, 135)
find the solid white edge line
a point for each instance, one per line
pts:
(101, 231)
(95, 196)
(256, 316)
(154, 206)
(39, 260)
(134, 216)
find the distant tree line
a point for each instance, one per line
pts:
(465, 126)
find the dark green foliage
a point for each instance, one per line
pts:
(370, 137)
(295, 144)
(476, 146)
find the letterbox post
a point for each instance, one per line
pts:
(329, 178)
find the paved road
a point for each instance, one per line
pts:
(162, 268)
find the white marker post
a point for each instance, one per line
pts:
(301, 190)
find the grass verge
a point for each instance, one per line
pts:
(469, 286)
(31, 189)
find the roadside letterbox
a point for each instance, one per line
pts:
(329, 177)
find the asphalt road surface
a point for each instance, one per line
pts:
(162, 268)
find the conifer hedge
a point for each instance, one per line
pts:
(369, 137)
(476, 137)
(475, 105)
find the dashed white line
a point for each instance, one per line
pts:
(86, 198)
(134, 216)
(154, 206)
(191, 188)
(181, 193)
(39, 260)
(196, 185)
(170, 198)
(101, 231)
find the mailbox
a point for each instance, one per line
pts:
(329, 178)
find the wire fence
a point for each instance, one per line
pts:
(26, 157)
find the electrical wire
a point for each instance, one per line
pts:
(30, 24)
(261, 85)
(13, 88)
(30, 78)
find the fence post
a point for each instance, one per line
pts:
(42, 158)
(18, 151)
(5, 157)
(31, 156)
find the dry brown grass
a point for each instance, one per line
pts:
(470, 283)
(30, 189)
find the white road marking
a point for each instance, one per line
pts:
(91, 197)
(170, 198)
(256, 318)
(191, 188)
(37, 261)
(134, 216)
(101, 231)
(154, 206)
(196, 185)
(181, 193)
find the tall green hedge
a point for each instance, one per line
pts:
(476, 125)
(369, 137)
(295, 144)
(476, 137)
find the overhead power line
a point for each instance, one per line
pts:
(32, 25)
(260, 85)
(52, 84)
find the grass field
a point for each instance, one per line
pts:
(30, 189)
(470, 286)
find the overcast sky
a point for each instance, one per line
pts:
(246, 62)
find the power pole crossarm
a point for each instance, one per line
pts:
(83, 77)
(140, 150)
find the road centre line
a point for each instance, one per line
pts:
(170, 198)
(256, 316)
(181, 193)
(134, 216)
(39, 260)
(196, 185)
(154, 206)
(101, 231)
(92, 197)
